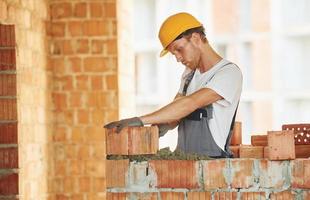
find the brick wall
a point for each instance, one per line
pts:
(8, 114)
(278, 177)
(82, 49)
(67, 74)
(230, 179)
(32, 85)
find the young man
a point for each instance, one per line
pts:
(205, 106)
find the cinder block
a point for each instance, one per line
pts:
(242, 173)
(271, 174)
(282, 195)
(259, 140)
(300, 170)
(213, 174)
(235, 151)
(175, 173)
(198, 195)
(225, 195)
(253, 195)
(116, 173)
(281, 145)
(8, 133)
(236, 138)
(171, 195)
(132, 141)
(251, 151)
(9, 184)
(8, 158)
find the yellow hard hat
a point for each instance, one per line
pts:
(173, 26)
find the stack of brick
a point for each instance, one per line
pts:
(204, 179)
(293, 142)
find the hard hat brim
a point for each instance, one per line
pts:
(163, 52)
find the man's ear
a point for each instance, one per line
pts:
(196, 38)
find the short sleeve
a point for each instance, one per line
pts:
(227, 82)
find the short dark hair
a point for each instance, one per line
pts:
(188, 32)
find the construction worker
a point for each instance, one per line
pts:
(205, 106)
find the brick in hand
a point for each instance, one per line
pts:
(132, 141)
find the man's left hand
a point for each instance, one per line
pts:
(119, 125)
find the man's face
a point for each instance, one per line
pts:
(185, 52)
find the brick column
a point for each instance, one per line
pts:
(8, 114)
(83, 58)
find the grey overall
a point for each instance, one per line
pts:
(194, 135)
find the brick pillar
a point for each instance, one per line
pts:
(83, 57)
(8, 114)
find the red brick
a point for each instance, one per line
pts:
(251, 151)
(95, 64)
(112, 82)
(116, 196)
(82, 46)
(236, 138)
(97, 46)
(198, 195)
(132, 141)
(7, 59)
(300, 173)
(175, 173)
(306, 195)
(271, 174)
(60, 101)
(253, 195)
(302, 151)
(7, 84)
(8, 133)
(242, 173)
(8, 157)
(259, 140)
(9, 184)
(61, 10)
(110, 10)
(75, 28)
(213, 174)
(117, 144)
(80, 10)
(57, 29)
(96, 82)
(172, 195)
(235, 150)
(82, 82)
(94, 28)
(142, 140)
(112, 47)
(75, 64)
(8, 110)
(83, 116)
(301, 131)
(285, 195)
(96, 9)
(116, 173)
(281, 145)
(84, 184)
(225, 196)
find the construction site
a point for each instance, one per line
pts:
(72, 69)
